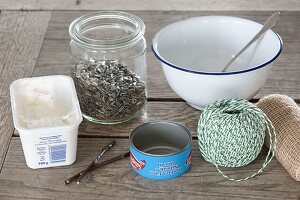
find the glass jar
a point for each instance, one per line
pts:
(108, 65)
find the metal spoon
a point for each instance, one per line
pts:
(271, 21)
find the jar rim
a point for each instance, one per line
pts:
(75, 34)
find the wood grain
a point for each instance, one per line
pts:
(21, 37)
(117, 180)
(147, 5)
(284, 78)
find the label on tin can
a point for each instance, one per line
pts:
(137, 164)
(166, 168)
(160, 167)
(189, 159)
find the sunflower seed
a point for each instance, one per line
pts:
(108, 89)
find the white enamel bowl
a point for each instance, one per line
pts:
(193, 53)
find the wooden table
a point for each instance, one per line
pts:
(34, 41)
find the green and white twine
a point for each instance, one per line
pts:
(231, 133)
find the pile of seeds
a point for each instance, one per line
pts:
(108, 90)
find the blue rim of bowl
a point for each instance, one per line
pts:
(219, 73)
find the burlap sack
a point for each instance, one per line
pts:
(285, 116)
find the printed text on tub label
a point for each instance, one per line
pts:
(167, 168)
(51, 149)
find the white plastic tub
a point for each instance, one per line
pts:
(46, 113)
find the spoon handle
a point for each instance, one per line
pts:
(271, 21)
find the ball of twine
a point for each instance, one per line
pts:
(231, 133)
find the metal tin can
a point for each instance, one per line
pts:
(160, 150)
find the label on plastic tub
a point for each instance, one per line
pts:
(51, 149)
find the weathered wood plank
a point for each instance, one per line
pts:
(153, 5)
(118, 180)
(179, 112)
(155, 20)
(174, 111)
(21, 37)
(284, 78)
